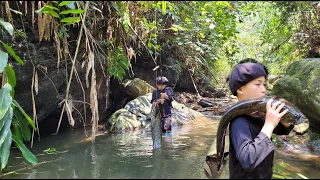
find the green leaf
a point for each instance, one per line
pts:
(12, 53)
(5, 100)
(6, 128)
(63, 3)
(26, 134)
(49, 11)
(3, 60)
(25, 115)
(7, 26)
(76, 11)
(16, 129)
(164, 4)
(124, 64)
(5, 150)
(11, 76)
(51, 7)
(50, 150)
(71, 20)
(174, 28)
(25, 151)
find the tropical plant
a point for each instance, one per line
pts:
(13, 127)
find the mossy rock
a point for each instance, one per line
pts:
(140, 105)
(123, 120)
(301, 86)
(137, 87)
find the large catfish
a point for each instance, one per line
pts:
(156, 126)
(255, 108)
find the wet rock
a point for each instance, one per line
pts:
(122, 120)
(182, 114)
(301, 86)
(136, 114)
(137, 87)
(186, 98)
(301, 128)
(205, 103)
(141, 107)
(195, 107)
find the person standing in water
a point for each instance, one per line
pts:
(163, 95)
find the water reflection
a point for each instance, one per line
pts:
(124, 155)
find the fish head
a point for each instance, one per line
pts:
(293, 116)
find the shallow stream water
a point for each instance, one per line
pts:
(130, 155)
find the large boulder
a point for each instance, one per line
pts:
(124, 120)
(136, 87)
(136, 114)
(301, 86)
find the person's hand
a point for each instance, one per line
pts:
(273, 116)
(160, 101)
(164, 96)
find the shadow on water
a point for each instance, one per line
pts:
(123, 155)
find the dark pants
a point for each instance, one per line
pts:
(166, 123)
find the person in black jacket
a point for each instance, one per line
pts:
(163, 95)
(251, 150)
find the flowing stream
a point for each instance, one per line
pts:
(130, 155)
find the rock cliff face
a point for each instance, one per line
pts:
(52, 81)
(301, 86)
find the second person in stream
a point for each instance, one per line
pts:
(163, 95)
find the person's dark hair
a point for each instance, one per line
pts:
(161, 80)
(248, 60)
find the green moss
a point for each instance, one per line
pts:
(300, 85)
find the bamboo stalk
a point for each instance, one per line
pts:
(32, 12)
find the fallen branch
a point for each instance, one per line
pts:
(27, 168)
(194, 85)
(57, 152)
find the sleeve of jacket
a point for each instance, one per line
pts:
(153, 99)
(170, 93)
(250, 151)
(282, 130)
